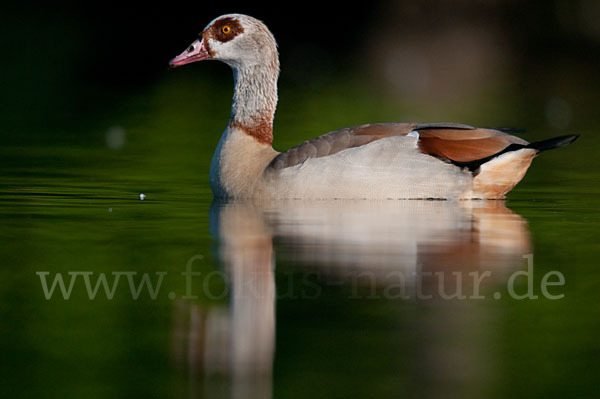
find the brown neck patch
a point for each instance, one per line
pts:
(261, 130)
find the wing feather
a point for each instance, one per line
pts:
(452, 142)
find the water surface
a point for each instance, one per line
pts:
(287, 299)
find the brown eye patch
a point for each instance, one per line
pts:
(225, 29)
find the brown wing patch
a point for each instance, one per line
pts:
(461, 145)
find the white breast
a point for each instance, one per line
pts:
(238, 164)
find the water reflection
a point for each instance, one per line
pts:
(438, 251)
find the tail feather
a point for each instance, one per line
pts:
(497, 175)
(539, 146)
(552, 143)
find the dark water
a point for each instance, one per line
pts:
(293, 299)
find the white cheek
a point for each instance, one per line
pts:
(221, 51)
(229, 52)
(215, 47)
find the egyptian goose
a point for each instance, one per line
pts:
(374, 161)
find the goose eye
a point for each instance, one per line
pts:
(190, 49)
(226, 29)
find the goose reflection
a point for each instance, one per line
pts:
(426, 249)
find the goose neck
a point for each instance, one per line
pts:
(254, 101)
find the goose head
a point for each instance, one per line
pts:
(248, 47)
(235, 39)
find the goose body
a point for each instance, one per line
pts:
(374, 161)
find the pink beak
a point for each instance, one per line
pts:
(195, 52)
